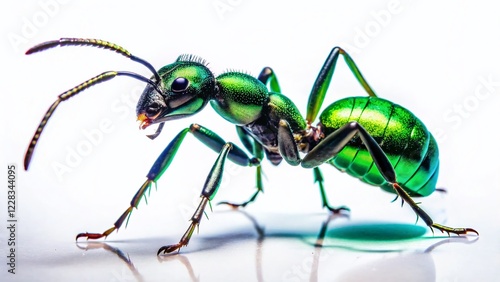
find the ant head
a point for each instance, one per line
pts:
(185, 88)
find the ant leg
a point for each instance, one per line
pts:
(256, 148)
(336, 141)
(203, 134)
(318, 177)
(210, 188)
(322, 82)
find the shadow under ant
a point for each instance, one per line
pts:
(377, 232)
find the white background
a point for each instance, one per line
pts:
(433, 58)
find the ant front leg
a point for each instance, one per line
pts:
(161, 164)
(336, 141)
(210, 188)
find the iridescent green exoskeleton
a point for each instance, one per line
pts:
(375, 140)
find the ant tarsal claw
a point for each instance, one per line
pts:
(169, 249)
(232, 205)
(339, 210)
(457, 231)
(92, 236)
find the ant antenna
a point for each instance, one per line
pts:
(93, 43)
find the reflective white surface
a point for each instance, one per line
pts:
(434, 58)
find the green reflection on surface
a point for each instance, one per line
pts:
(377, 231)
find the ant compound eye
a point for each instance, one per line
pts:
(180, 84)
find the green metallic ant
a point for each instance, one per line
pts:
(375, 140)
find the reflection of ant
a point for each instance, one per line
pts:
(416, 264)
(388, 269)
(116, 251)
(185, 261)
(258, 256)
(260, 240)
(421, 261)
